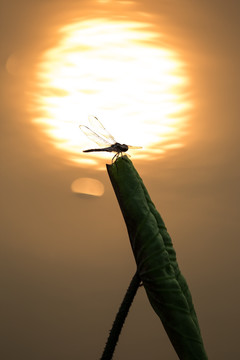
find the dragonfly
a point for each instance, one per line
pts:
(103, 138)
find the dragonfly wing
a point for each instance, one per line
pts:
(100, 129)
(94, 137)
(134, 147)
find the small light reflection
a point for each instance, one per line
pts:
(87, 186)
(12, 64)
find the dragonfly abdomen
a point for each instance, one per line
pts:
(109, 149)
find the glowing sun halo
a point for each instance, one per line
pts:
(118, 71)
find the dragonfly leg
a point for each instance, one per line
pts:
(115, 156)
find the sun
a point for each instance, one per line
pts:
(121, 72)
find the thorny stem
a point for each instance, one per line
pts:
(120, 318)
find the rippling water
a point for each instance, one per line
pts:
(123, 71)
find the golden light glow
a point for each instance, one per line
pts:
(119, 72)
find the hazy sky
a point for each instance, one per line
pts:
(65, 259)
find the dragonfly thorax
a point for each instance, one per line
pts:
(120, 147)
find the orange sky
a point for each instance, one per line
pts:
(66, 259)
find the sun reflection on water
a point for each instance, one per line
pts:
(120, 72)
